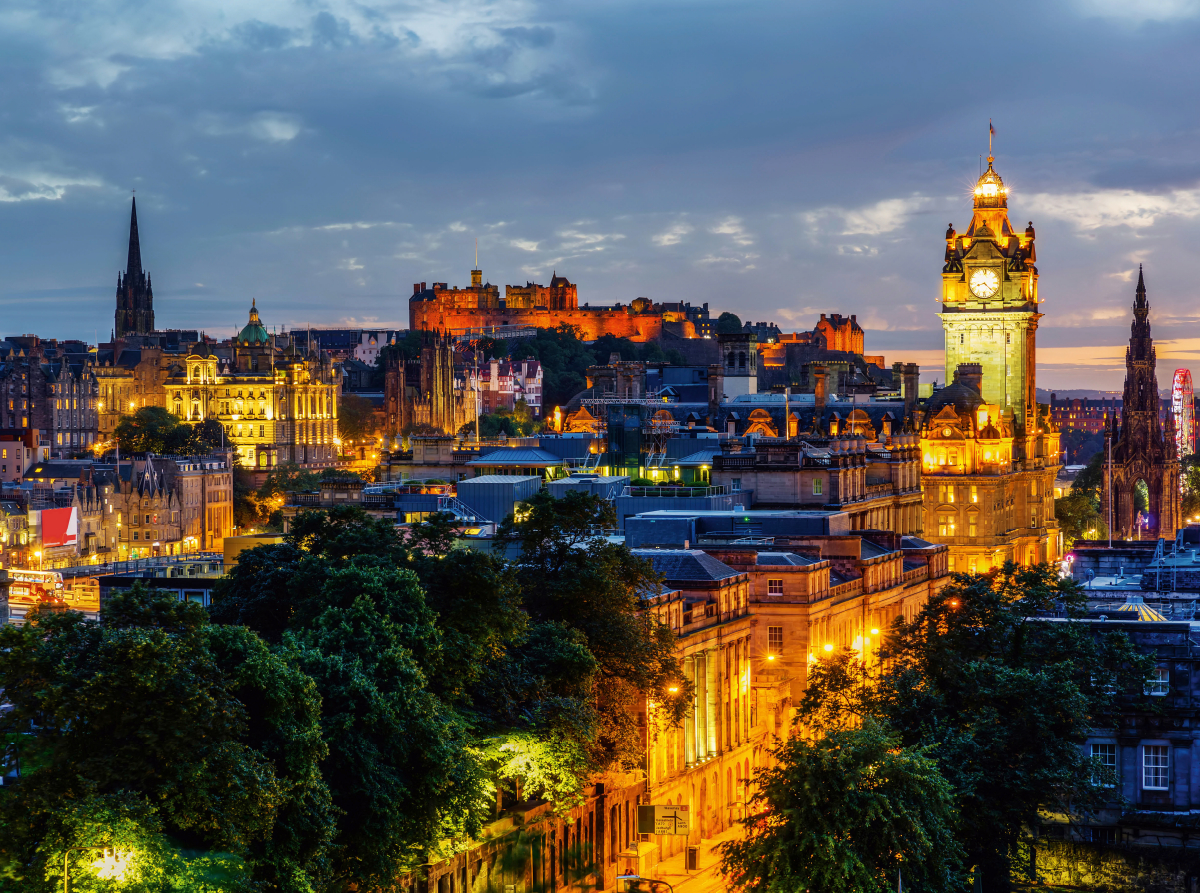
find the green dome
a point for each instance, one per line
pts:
(253, 333)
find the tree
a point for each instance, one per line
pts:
(843, 814)
(572, 576)
(202, 731)
(153, 429)
(1006, 697)
(728, 324)
(356, 418)
(1078, 518)
(148, 430)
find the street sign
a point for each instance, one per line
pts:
(665, 820)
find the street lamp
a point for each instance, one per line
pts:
(648, 880)
(112, 865)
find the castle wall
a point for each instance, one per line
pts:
(592, 323)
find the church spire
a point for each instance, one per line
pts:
(134, 266)
(1139, 301)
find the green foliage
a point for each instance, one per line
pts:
(570, 575)
(199, 733)
(515, 422)
(153, 429)
(356, 418)
(843, 814)
(1005, 697)
(1078, 518)
(1090, 481)
(565, 359)
(728, 324)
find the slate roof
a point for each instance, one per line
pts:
(521, 457)
(680, 565)
(776, 559)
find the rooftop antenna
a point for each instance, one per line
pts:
(991, 133)
(476, 252)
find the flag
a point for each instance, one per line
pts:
(991, 129)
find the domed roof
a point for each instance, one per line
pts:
(962, 397)
(990, 191)
(253, 332)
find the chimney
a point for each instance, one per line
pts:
(910, 378)
(970, 374)
(818, 377)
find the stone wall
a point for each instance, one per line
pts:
(1116, 869)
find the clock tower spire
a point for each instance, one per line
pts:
(990, 303)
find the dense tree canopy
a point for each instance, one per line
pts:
(356, 419)
(1005, 697)
(845, 813)
(153, 429)
(205, 733)
(446, 671)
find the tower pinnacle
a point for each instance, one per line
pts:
(134, 265)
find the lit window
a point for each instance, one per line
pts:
(818, 486)
(1155, 767)
(971, 526)
(775, 639)
(974, 493)
(1106, 756)
(945, 525)
(1160, 682)
(774, 587)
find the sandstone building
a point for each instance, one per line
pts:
(439, 308)
(990, 454)
(1143, 447)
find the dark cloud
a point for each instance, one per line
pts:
(774, 158)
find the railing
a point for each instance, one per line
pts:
(669, 492)
(304, 499)
(140, 564)
(734, 462)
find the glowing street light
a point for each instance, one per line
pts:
(111, 865)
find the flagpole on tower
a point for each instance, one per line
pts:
(991, 133)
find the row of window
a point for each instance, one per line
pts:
(1156, 764)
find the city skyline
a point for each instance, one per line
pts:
(346, 163)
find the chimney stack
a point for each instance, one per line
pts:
(970, 374)
(818, 377)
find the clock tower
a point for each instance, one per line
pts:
(990, 304)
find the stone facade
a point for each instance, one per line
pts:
(988, 491)
(1144, 447)
(135, 296)
(441, 308)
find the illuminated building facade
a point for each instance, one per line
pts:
(278, 404)
(1143, 447)
(990, 454)
(439, 308)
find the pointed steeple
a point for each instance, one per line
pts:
(134, 266)
(1139, 300)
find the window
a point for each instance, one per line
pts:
(1160, 682)
(774, 587)
(962, 339)
(1104, 835)
(1155, 765)
(970, 525)
(818, 486)
(1106, 756)
(774, 639)
(735, 484)
(974, 493)
(945, 525)
(135, 534)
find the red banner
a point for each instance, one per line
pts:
(60, 527)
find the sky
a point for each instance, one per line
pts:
(774, 159)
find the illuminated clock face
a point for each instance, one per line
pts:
(984, 283)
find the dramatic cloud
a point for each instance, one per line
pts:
(766, 157)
